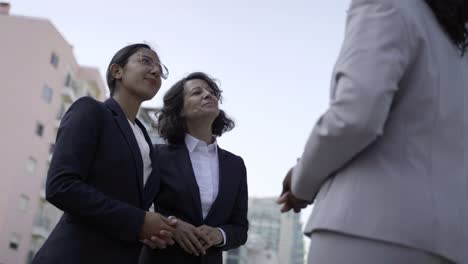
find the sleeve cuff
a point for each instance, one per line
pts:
(298, 188)
(224, 238)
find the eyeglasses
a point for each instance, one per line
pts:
(149, 63)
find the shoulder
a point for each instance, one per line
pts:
(393, 20)
(231, 156)
(87, 104)
(401, 6)
(86, 110)
(165, 149)
(376, 2)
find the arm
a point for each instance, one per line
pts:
(373, 59)
(66, 186)
(236, 230)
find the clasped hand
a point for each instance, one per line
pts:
(287, 198)
(158, 230)
(193, 240)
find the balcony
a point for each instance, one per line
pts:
(68, 94)
(40, 231)
(42, 194)
(41, 226)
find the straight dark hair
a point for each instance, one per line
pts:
(171, 125)
(121, 58)
(453, 16)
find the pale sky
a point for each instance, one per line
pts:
(273, 59)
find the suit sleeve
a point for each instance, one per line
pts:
(236, 229)
(66, 186)
(373, 58)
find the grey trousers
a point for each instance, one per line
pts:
(334, 248)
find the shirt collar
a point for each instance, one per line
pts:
(192, 143)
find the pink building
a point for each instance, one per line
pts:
(39, 79)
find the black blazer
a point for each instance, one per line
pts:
(96, 178)
(179, 196)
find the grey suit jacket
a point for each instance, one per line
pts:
(388, 159)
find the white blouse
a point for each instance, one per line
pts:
(205, 165)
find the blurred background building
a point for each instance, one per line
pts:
(40, 78)
(273, 237)
(148, 116)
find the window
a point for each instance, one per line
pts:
(14, 241)
(31, 165)
(30, 256)
(54, 60)
(61, 112)
(51, 148)
(23, 202)
(47, 94)
(39, 129)
(72, 83)
(232, 261)
(68, 80)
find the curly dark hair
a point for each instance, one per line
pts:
(171, 125)
(453, 16)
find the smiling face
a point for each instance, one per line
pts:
(200, 101)
(141, 75)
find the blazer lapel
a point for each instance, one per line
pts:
(127, 131)
(224, 184)
(185, 165)
(151, 187)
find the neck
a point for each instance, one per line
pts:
(128, 103)
(201, 129)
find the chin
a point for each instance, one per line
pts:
(147, 96)
(214, 114)
(152, 93)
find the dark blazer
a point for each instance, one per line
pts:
(96, 178)
(179, 196)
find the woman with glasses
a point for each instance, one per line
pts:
(202, 185)
(102, 173)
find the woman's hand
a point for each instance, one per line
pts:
(189, 238)
(161, 241)
(156, 225)
(212, 236)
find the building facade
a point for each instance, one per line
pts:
(40, 79)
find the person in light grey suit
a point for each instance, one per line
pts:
(386, 165)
